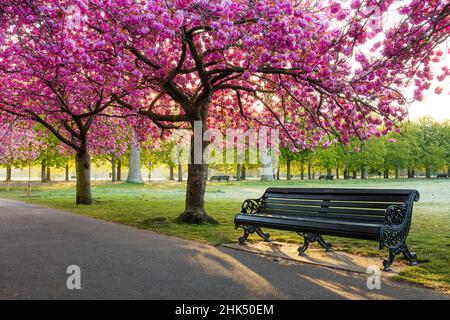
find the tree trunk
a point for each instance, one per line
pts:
(448, 171)
(180, 172)
(67, 172)
(278, 173)
(119, 170)
(428, 172)
(267, 169)
(196, 187)
(83, 164)
(43, 173)
(48, 174)
(8, 173)
(134, 170)
(397, 173)
(150, 166)
(243, 172)
(363, 172)
(113, 169)
(328, 172)
(171, 173)
(354, 174)
(337, 173)
(413, 173)
(288, 169)
(238, 172)
(309, 171)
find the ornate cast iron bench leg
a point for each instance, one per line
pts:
(411, 256)
(247, 232)
(264, 235)
(310, 238)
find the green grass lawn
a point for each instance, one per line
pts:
(156, 206)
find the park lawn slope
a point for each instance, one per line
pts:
(156, 206)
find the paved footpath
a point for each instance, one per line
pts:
(119, 262)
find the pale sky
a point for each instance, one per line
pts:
(436, 106)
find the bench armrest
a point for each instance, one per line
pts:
(250, 206)
(397, 223)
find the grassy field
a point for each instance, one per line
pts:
(155, 206)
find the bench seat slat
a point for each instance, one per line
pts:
(343, 204)
(328, 227)
(324, 216)
(371, 198)
(369, 212)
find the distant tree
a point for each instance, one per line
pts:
(429, 135)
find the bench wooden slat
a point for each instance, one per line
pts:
(334, 203)
(369, 212)
(293, 214)
(363, 231)
(372, 198)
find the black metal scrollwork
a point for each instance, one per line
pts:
(251, 206)
(395, 230)
(310, 238)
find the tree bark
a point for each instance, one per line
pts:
(243, 172)
(288, 169)
(196, 187)
(43, 172)
(354, 174)
(180, 172)
(278, 173)
(309, 171)
(171, 173)
(448, 171)
(428, 172)
(238, 172)
(267, 169)
(119, 170)
(397, 173)
(134, 171)
(363, 172)
(8, 173)
(113, 169)
(150, 166)
(83, 166)
(337, 173)
(48, 174)
(67, 172)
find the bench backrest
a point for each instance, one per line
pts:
(350, 204)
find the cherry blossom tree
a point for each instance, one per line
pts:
(323, 71)
(18, 143)
(51, 74)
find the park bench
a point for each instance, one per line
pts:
(326, 177)
(442, 176)
(220, 178)
(382, 215)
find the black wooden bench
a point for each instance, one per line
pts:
(383, 215)
(442, 176)
(326, 177)
(220, 178)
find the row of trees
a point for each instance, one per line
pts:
(323, 72)
(423, 145)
